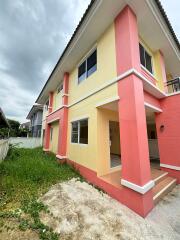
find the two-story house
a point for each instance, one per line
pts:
(114, 89)
(35, 117)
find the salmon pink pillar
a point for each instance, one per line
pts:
(47, 128)
(63, 121)
(136, 176)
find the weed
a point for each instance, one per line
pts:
(24, 176)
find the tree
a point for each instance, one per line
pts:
(14, 128)
(12, 131)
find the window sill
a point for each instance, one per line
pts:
(80, 144)
(147, 71)
(86, 78)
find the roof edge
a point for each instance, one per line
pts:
(161, 9)
(38, 106)
(167, 21)
(67, 46)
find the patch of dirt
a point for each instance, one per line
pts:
(10, 231)
(81, 212)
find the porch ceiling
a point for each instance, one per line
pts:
(113, 106)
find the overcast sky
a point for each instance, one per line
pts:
(33, 34)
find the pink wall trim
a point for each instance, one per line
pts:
(54, 115)
(47, 137)
(132, 118)
(169, 137)
(50, 101)
(127, 41)
(65, 88)
(172, 173)
(163, 69)
(133, 131)
(151, 100)
(148, 76)
(46, 140)
(141, 204)
(63, 121)
(62, 139)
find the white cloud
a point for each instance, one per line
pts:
(33, 35)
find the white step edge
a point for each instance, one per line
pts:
(161, 176)
(164, 189)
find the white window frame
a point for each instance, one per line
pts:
(152, 62)
(78, 120)
(85, 59)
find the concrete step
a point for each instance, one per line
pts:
(158, 175)
(162, 187)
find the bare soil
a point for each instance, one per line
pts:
(81, 212)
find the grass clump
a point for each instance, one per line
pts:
(25, 175)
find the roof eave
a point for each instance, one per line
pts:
(158, 4)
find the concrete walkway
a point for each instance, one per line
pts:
(81, 212)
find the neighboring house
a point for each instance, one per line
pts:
(35, 117)
(114, 94)
(25, 125)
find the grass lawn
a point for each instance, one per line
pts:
(24, 175)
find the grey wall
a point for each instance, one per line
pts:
(36, 123)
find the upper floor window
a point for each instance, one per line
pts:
(87, 67)
(60, 88)
(145, 58)
(46, 105)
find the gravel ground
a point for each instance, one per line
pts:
(81, 212)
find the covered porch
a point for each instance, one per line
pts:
(109, 135)
(163, 183)
(111, 169)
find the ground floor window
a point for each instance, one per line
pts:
(79, 133)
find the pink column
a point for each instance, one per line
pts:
(63, 122)
(168, 132)
(47, 128)
(136, 176)
(47, 137)
(50, 102)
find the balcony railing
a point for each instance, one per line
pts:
(174, 85)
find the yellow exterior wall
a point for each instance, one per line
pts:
(103, 163)
(54, 141)
(106, 68)
(57, 100)
(45, 113)
(87, 155)
(157, 72)
(169, 77)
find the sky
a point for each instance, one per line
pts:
(33, 35)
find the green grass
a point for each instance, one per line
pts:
(27, 173)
